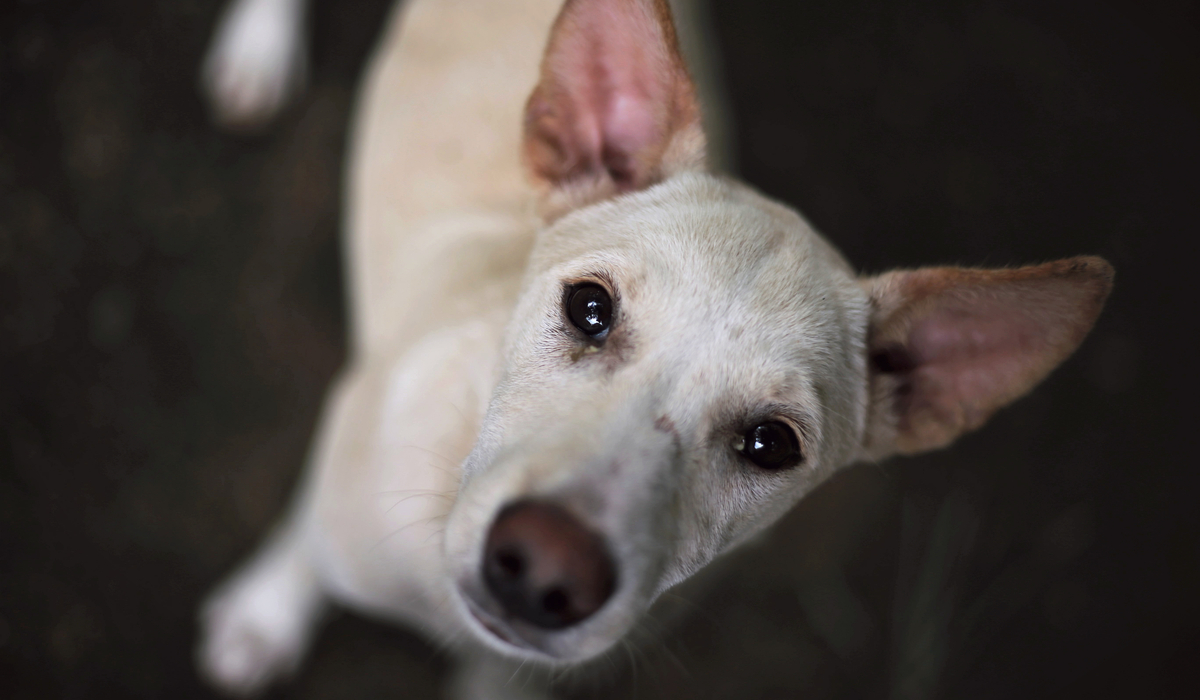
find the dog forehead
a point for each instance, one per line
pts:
(701, 237)
(707, 254)
(725, 291)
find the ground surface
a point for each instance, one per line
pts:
(170, 314)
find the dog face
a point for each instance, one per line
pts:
(687, 358)
(717, 314)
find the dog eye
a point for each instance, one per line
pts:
(590, 308)
(771, 445)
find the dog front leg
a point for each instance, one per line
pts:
(258, 624)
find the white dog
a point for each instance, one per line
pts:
(548, 421)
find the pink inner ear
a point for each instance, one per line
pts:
(615, 69)
(630, 128)
(971, 355)
(611, 94)
(959, 343)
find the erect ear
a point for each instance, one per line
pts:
(949, 346)
(615, 109)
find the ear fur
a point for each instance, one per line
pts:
(615, 109)
(949, 346)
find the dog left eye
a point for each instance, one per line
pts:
(590, 308)
(771, 445)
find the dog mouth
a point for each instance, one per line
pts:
(497, 628)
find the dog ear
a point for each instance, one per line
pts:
(615, 109)
(950, 346)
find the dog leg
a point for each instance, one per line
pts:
(257, 625)
(256, 62)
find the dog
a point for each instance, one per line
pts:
(584, 364)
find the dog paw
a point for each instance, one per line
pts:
(256, 61)
(249, 638)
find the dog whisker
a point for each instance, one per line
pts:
(422, 521)
(426, 450)
(416, 495)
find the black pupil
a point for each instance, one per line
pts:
(590, 309)
(772, 446)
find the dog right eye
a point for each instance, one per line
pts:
(771, 446)
(590, 309)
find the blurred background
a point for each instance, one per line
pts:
(171, 313)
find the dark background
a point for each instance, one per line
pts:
(171, 312)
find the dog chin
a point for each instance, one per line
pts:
(499, 635)
(497, 632)
(516, 639)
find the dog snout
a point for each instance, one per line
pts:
(545, 567)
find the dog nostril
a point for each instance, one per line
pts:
(510, 563)
(555, 601)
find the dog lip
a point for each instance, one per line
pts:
(497, 628)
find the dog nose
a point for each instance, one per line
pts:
(545, 567)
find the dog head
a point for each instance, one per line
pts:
(687, 358)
